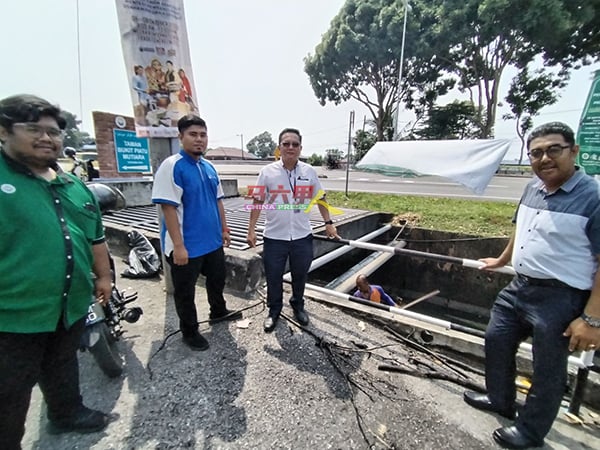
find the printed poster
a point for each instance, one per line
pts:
(157, 58)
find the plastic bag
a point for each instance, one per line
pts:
(143, 260)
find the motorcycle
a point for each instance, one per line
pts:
(103, 323)
(79, 168)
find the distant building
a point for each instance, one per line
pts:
(88, 148)
(228, 153)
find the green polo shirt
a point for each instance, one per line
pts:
(47, 229)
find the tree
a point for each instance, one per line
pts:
(528, 94)
(456, 120)
(73, 136)
(577, 40)
(477, 40)
(358, 58)
(363, 141)
(315, 160)
(262, 145)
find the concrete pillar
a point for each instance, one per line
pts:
(161, 149)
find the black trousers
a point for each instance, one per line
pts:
(49, 359)
(276, 254)
(212, 266)
(525, 308)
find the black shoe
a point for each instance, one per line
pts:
(511, 437)
(301, 317)
(84, 421)
(269, 324)
(196, 341)
(482, 401)
(225, 315)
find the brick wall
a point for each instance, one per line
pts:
(104, 124)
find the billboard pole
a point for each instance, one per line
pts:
(397, 121)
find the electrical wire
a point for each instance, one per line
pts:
(164, 342)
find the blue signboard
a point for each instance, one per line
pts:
(131, 151)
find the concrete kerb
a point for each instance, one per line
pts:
(466, 344)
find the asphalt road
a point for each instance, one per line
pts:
(501, 188)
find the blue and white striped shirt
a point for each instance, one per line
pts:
(558, 234)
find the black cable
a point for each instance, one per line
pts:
(424, 349)
(164, 342)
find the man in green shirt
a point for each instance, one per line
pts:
(51, 240)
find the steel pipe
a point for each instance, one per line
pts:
(472, 263)
(399, 311)
(332, 255)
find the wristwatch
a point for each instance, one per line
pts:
(329, 222)
(593, 322)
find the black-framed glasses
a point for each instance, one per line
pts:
(552, 151)
(290, 144)
(37, 131)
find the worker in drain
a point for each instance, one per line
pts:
(555, 296)
(372, 292)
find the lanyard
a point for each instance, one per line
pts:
(292, 174)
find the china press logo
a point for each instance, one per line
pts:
(298, 198)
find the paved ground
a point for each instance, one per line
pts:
(276, 391)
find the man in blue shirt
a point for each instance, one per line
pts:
(555, 296)
(372, 292)
(194, 229)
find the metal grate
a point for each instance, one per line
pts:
(145, 218)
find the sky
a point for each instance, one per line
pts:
(247, 59)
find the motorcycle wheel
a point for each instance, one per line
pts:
(105, 352)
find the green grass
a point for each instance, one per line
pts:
(477, 218)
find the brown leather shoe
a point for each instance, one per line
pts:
(482, 401)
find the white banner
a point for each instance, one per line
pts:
(471, 163)
(157, 57)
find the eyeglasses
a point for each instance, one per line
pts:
(290, 144)
(553, 152)
(37, 131)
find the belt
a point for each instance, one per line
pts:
(544, 282)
